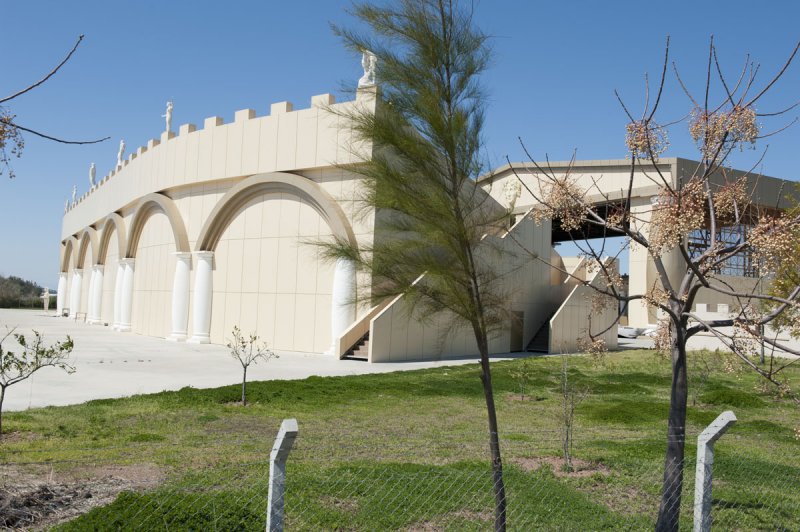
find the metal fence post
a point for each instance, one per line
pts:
(277, 474)
(705, 463)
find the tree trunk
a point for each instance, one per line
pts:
(494, 439)
(244, 386)
(670, 508)
(2, 396)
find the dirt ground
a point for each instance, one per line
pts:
(38, 497)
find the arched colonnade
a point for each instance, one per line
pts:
(84, 257)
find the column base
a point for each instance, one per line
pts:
(124, 328)
(176, 337)
(199, 339)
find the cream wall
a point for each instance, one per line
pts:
(152, 280)
(268, 278)
(397, 334)
(577, 318)
(265, 277)
(111, 263)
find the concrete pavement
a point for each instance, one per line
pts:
(113, 364)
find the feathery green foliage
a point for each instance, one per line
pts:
(420, 176)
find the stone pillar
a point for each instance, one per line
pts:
(180, 297)
(126, 306)
(96, 294)
(61, 295)
(201, 309)
(343, 308)
(75, 292)
(118, 294)
(90, 296)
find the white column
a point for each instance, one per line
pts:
(75, 293)
(180, 297)
(62, 292)
(201, 309)
(92, 273)
(343, 307)
(118, 294)
(127, 296)
(96, 294)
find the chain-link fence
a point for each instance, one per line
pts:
(396, 481)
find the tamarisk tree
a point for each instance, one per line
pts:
(710, 201)
(420, 177)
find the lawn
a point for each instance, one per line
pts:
(408, 450)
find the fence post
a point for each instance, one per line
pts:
(277, 474)
(705, 463)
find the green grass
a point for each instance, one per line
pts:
(408, 450)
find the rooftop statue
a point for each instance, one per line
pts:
(92, 174)
(66, 205)
(120, 153)
(512, 190)
(369, 63)
(168, 116)
(74, 193)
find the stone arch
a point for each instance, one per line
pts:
(148, 205)
(86, 238)
(113, 224)
(237, 197)
(68, 254)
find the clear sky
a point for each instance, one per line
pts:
(555, 67)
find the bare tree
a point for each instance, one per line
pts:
(247, 350)
(709, 201)
(571, 397)
(34, 355)
(11, 140)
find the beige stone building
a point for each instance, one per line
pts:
(197, 232)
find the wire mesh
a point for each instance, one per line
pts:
(398, 481)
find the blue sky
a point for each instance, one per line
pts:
(555, 67)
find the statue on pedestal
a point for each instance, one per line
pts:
(120, 153)
(74, 193)
(45, 297)
(92, 174)
(369, 63)
(168, 116)
(66, 205)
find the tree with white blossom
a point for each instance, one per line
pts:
(709, 200)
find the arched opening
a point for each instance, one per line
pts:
(268, 276)
(156, 231)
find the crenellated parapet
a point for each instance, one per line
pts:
(286, 139)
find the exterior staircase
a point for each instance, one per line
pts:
(359, 351)
(540, 343)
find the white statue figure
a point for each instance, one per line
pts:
(512, 190)
(74, 193)
(66, 205)
(120, 153)
(92, 174)
(369, 63)
(45, 297)
(168, 116)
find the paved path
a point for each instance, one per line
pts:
(112, 364)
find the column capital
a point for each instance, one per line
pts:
(63, 274)
(78, 271)
(182, 255)
(98, 267)
(203, 254)
(127, 261)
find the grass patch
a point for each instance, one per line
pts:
(408, 450)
